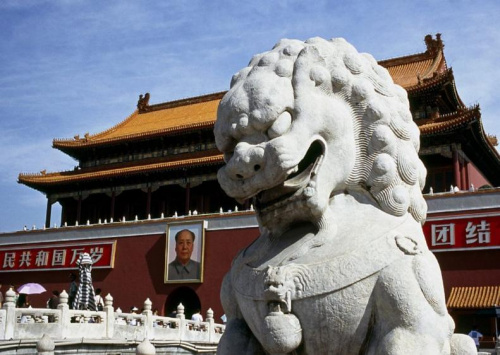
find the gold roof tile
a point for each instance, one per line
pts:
(474, 297)
(406, 75)
(106, 171)
(158, 119)
(412, 70)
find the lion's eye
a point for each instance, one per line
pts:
(280, 126)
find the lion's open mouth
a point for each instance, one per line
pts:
(296, 184)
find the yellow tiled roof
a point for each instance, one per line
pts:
(474, 297)
(157, 119)
(412, 70)
(208, 157)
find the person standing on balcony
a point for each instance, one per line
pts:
(197, 316)
(99, 302)
(73, 289)
(53, 300)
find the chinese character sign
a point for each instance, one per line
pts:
(443, 234)
(463, 233)
(55, 257)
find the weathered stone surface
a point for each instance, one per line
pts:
(45, 345)
(145, 348)
(323, 140)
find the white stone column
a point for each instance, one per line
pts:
(148, 325)
(10, 313)
(64, 317)
(110, 316)
(182, 320)
(211, 327)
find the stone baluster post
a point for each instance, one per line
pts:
(64, 316)
(10, 313)
(148, 326)
(45, 346)
(110, 316)
(211, 327)
(182, 320)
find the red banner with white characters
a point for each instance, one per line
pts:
(55, 256)
(463, 233)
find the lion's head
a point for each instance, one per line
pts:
(310, 119)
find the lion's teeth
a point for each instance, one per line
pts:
(293, 170)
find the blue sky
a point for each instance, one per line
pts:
(72, 66)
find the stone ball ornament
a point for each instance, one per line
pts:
(322, 141)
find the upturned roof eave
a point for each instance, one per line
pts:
(450, 122)
(42, 181)
(437, 82)
(472, 138)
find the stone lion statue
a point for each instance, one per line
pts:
(323, 141)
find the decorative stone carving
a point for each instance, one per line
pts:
(323, 141)
(143, 102)
(433, 45)
(145, 348)
(45, 345)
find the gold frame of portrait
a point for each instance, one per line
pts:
(198, 227)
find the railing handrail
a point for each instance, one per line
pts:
(68, 323)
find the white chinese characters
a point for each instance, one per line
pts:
(478, 233)
(472, 234)
(443, 234)
(53, 257)
(9, 260)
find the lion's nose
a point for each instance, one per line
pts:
(247, 160)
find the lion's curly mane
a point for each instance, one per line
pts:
(387, 163)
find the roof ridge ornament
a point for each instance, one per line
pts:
(434, 45)
(143, 102)
(492, 139)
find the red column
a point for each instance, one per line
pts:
(188, 188)
(148, 202)
(48, 212)
(463, 176)
(79, 209)
(456, 169)
(112, 207)
(466, 170)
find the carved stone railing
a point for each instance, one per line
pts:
(65, 323)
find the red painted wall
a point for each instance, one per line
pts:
(139, 269)
(220, 249)
(475, 177)
(469, 268)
